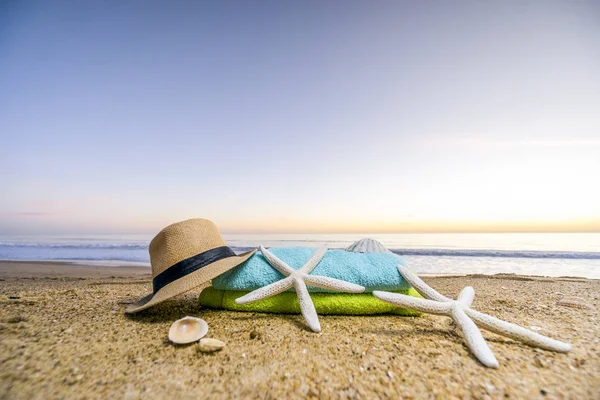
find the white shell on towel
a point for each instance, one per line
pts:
(367, 245)
(187, 330)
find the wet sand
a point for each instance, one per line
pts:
(56, 270)
(64, 335)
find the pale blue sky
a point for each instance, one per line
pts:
(125, 116)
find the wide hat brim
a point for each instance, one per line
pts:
(198, 279)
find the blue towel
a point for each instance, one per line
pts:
(374, 271)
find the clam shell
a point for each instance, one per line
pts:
(208, 345)
(367, 245)
(187, 330)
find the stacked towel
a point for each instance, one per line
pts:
(374, 271)
(325, 303)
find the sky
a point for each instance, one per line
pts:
(268, 116)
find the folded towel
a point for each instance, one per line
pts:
(374, 271)
(325, 303)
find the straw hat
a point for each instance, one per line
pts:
(184, 256)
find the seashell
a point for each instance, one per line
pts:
(574, 302)
(367, 245)
(535, 328)
(208, 345)
(187, 330)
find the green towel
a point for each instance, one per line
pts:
(325, 303)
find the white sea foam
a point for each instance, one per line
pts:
(530, 254)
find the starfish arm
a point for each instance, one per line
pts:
(420, 286)
(306, 305)
(276, 262)
(473, 337)
(266, 291)
(517, 332)
(332, 284)
(415, 303)
(314, 260)
(466, 296)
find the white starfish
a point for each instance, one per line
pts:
(459, 310)
(298, 279)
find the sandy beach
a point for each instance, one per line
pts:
(64, 335)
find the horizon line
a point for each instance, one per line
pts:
(276, 232)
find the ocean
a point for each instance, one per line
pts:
(546, 254)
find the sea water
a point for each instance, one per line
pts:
(547, 254)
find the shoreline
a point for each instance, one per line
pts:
(108, 268)
(62, 269)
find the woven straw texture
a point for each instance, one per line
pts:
(178, 242)
(183, 240)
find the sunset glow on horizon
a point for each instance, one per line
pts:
(424, 117)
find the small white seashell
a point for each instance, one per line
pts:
(535, 328)
(208, 345)
(187, 330)
(367, 246)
